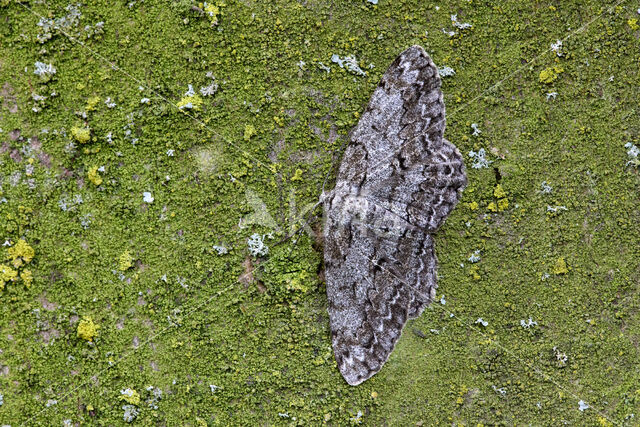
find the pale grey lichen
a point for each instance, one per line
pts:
(457, 24)
(528, 323)
(482, 322)
(446, 71)
(501, 390)
(633, 153)
(212, 88)
(130, 413)
(221, 250)
(257, 246)
(557, 47)
(545, 188)
(555, 209)
(449, 33)
(479, 159)
(43, 69)
(323, 67)
(349, 62)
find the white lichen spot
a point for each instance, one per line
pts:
(555, 209)
(85, 220)
(442, 300)
(257, 246)
(212, 88)
(357, 419)
(560, 356)
(145, 101)
(221, 250)
(156, 396)
(130, 413)
(446, 71)
(557, 47)
(147, 197)
(482, 322)
(349, 62)
(528, 323)
(633, 152)
(545, 188)
(457, 24)
(476, 130)
(109, 103)
(475, 257)
(582, 406)
(213, 388)
(449, 33)
(552, 95)
(479, 159)
(43, 69)
(323, 67)
(501, 390)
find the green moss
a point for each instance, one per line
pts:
(183, 318)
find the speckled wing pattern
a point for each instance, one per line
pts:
(398, 181)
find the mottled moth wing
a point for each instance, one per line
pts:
(398, 181)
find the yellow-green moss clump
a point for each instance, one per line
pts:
(549, 75)
(502, 203)
(560, 267)
(125, 261)
(249, 131)
(87, 330)
(81, 134)
(212, 11)
(130, 396)
(190, 102)
(92, 102)
(94, 176)
(7, 274)
(21, 253)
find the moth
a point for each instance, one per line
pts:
(398, 180)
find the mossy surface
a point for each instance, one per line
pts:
(137, 198)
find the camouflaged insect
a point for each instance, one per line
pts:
(398, 181)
